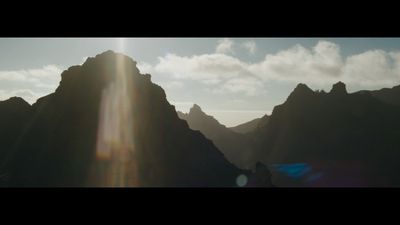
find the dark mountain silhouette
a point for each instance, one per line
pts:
(107, 125)
(14, 114)
(236, 147)
(333, 139)
(388, 95)
(261, 176)
(251, 125)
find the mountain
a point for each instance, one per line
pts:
(236, 147)
(250, 125)
(333, 139)
(388, 95)
(14, 114)
(107, 125)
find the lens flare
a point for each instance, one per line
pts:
(241, 180)
(115, 149)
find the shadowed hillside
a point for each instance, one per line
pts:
(14, 116)
(251, 125)
(333, 139)
(237, 147)
(388, 95)
(107, 125)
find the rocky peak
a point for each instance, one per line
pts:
(302, 88)
(196, 110)
(101, 111)
(300, 91)
(16, 100)
(15, 103)
(338, 89)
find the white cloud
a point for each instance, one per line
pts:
(250, 46)
(247, 85)
(28, 95)
(225, 46)
(223, 72)
(372, 68)
(36, 76)
(29, 84)
(320, 65)
(208, 68)
(172, 84)
(145, 67)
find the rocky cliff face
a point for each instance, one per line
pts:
(14, 116)
(388, 95)
(355, 133)
(237, 147)
(251, 126)
(109, 125)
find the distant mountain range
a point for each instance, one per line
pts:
(319, 139)
(237, 147)
(351, 138)
(108, 125)
(251, 125)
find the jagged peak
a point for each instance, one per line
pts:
(338, 88)
(106, 62)
(302, 88)
(16, 100)
(110, 54)
(181, 114)
(197, 112)
(195, 108)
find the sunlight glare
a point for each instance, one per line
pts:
(115, 145)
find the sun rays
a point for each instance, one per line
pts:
(115, 140)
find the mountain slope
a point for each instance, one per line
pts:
(109, 125)
(388, 95)
(251, 125)
(351, 138)
(14, 115)
(237, 147)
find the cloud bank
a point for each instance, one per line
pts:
(250, 46)
(29, 84)
(225, 46)
(320, 65)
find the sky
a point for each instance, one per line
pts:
(233, 79)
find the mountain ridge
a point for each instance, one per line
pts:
(235, 146)
(335, 127)
(107, 124)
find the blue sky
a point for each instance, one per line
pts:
(233, 79)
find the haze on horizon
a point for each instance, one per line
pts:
(233, 79)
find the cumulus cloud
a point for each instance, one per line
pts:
(29, 83)
(250, 46)
(145, 67)
(225, 46)
(208, 68)
(372, 68)
(322, 64)
(35, 76)
(215, 70)
(28, 95)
